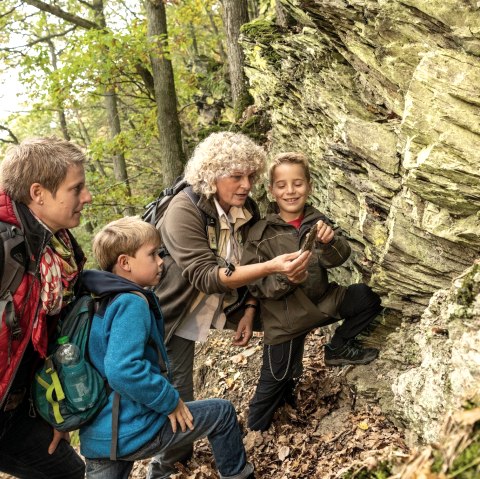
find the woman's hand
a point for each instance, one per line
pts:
(292, 265)
(325, 232)
(57, 437)
(244, 329)
(181, 415)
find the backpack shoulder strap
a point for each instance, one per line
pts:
(13, 257)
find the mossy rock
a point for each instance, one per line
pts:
(262, 31)
(469, 288)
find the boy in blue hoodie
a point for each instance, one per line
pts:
(126, 346)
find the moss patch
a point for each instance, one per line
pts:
(262, 31)
(467, 464)
(382, 471)
(469, 288)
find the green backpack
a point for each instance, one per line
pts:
(49, 389)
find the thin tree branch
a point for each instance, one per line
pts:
(69, 17)
(14, 139)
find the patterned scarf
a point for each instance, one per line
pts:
(59, 272)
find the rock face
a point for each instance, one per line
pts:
(384, 98)
(447, 374)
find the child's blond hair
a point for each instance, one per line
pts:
(124, 236)
(292, 158)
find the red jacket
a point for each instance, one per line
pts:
(26, 299)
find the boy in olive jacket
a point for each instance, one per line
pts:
(289, 311)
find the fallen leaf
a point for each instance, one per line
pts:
(283, 452)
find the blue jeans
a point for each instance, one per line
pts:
(181, 355)
(24, 442)
(214, 418)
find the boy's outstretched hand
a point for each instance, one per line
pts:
(325, 232)
(181, 415)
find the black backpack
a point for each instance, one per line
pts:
(13, 261)
(155, 210)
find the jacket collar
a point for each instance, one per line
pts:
(310, 214)
(104, 283)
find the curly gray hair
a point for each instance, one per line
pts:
(221, 154)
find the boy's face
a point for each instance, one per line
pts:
(290, 190)
(146, 266)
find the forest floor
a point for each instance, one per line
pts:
(332, 430)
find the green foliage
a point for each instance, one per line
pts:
(66, 70)
(467, 464)
(381, 471)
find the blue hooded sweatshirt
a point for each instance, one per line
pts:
(120, 347)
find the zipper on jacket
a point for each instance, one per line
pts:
(286, 311)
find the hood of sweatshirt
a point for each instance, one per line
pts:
(103, 283)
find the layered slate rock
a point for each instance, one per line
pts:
(446, 375)
(383, 97)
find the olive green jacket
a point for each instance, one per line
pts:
(289, 310)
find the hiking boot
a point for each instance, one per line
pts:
(351, 352)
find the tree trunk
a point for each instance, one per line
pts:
(221, 50)
(113, 118)
(235, 14)
(61, 111)
(170, 136)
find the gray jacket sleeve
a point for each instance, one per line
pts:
(184, 235)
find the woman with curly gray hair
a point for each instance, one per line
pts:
(203, 230)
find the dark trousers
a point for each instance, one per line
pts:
(24, 445)
(282, 363)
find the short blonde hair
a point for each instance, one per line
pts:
(124, 236)
(292, 158)
(37, 160)
(222, 154)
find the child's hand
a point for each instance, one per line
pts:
(325, 233)
(183, 416)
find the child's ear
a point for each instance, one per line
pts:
(122, 263)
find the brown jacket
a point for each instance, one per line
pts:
(190, 266)
(289, 310)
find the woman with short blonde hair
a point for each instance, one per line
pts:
(42, 193)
